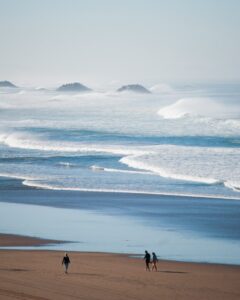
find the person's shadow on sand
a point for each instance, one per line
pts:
(173, 272)
(86, 274)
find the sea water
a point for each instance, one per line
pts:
(184, 140)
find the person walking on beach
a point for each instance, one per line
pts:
(147, 258)
(66, 262)
(154, 261)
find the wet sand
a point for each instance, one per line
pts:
(38, 275)
(12, 240)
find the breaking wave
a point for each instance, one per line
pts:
(196, 164)
(27, 141)
(235, 186)
(207, 165)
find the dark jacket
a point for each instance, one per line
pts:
(66, 260)
(147, 257)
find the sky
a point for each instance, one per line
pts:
(105, 42)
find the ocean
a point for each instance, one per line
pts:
(180, 141)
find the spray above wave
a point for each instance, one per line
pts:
(162, 88)
(126, 115)
(205, 107)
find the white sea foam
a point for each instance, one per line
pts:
(99, 168)
(127, 171)
(135, 162)
(196, 164)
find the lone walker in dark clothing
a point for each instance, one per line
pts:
(66, 262)
(147, 258)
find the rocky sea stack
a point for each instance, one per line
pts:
(73, 87)
(7, 84)
(136, 88)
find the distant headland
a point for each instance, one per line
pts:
(73, 87)
(136, 88)
(8, 84)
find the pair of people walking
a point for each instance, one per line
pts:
(154, 261)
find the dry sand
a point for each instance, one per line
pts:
(39, 275)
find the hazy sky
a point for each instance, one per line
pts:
(103, 41)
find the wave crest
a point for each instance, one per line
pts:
(30, 142)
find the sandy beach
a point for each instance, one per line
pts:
(39, 275)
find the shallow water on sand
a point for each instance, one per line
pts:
(180, 228)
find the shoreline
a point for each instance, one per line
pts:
(8, 242)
